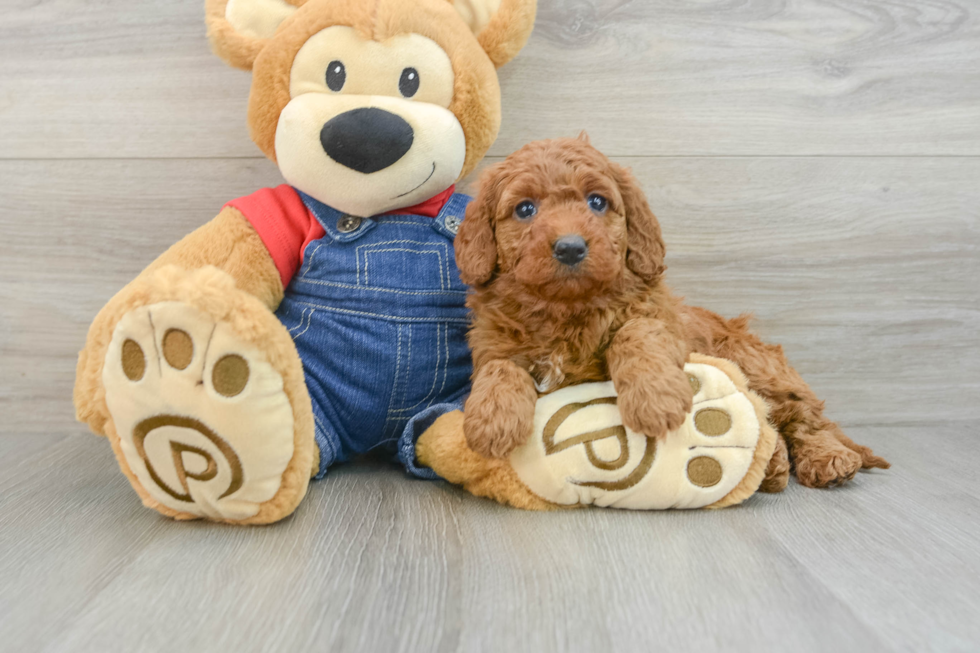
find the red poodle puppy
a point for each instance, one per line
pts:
(566, 262)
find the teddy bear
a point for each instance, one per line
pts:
(313, 322)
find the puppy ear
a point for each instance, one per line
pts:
(584, 137)
(239, 29)
(501, 26)
(476, 242)
(645, 248)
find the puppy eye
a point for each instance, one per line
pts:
(525, 210)
(598, 203)
(336, 76)
(409, 83)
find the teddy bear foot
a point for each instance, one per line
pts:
(202, 422)
(580, 453)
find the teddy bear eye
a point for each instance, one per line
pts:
(409, 82)
(525, 210)
(597, 203)
(336, 76)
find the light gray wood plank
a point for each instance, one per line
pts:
(863, 268)
(900, 547)
(790, 78)
(124, 79)
(17, 450)
(615, 581)
(375, 561)
(68, 524)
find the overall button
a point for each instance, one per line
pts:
(348, 223)
(452, 224)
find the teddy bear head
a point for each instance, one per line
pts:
(372, 105)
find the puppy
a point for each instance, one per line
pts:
(566, 261)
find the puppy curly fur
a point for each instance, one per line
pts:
(540, 325)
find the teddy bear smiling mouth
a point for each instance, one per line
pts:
(420, 185)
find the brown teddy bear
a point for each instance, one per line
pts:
(312, 322)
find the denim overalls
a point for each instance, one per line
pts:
(377, 312)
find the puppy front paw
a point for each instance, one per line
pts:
(655, 405)
(499, 414)
(495, 426)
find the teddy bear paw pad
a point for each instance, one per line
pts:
(202, 418)
(581, 453)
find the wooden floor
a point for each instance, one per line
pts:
(814, 161)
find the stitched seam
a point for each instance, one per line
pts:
(336, 284)
(302, 318)
(440, 368)
(326, 437)
(396, 318)
(398, 364)
(402, 241)
(445, 363)
(442, 276)
(357, 261)
(374, 246)
(435, 378)
(427, 225)
(309, 321)
(207, 348)
(440, 249)
(408, 371)
(444, 263)
(308, 263)
(156, 347)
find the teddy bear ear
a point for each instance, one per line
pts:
(239, 29)
(501, 26)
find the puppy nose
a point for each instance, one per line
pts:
(366, 139)
(570, 250)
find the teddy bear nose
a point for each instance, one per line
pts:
(367, 139)
(570, 250)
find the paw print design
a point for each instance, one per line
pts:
(202, 418)
(581, 453)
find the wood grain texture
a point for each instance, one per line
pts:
(374, 561)
(864, 268)
(812, 161)
(119, 78)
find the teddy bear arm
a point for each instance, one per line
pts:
(228, 242)
(231, 244)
